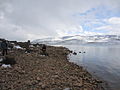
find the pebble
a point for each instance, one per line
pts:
(67, 89)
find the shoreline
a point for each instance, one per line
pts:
(54, 72)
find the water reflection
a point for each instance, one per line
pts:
(103, 61)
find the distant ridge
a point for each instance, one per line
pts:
(77, 39)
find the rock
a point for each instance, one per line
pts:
(78, 84)
(55, 76)
(98, 81)
(21, 72)
(38, 79)
(71, 51)
(43, 86)
(74, 53)
(67, 89)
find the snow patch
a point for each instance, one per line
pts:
(18, 47)
(6, 66)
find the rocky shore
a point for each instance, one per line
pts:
(34, 71)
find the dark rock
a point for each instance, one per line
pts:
(9, 60)
(74, 53)
(71, 51)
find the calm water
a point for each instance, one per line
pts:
(101, 61)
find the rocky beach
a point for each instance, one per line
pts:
(34, 71)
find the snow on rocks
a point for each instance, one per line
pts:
(6, 66)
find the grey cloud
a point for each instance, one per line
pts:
(44, 17)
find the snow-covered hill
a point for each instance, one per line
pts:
(77, 39)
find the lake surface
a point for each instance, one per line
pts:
(101, 61)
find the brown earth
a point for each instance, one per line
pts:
(54, 72)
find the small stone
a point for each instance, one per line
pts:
(43, 86)
(74, 53)
(98, 81)
(78, 84)
(67, 89)
(40, 83)
(38, 78)
(55, 76)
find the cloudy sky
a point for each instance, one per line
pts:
(32, 19)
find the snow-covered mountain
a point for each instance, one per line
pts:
(77, 39)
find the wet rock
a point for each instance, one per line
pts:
(98, 81)
(71, 51)
(55, 76)
(74, 53)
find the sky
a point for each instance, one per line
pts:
(35, 19)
